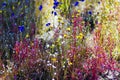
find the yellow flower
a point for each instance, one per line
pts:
(69, 63)
(0, 11)
(80, 36)
(13, 7)
(27, 36)
(107, 7)
(58, 40)
(62, 22)
(54, 59)
(19, 3)
(46, 17)
(77, 15)
(32, 43)
(59, 19)
(68, 29)
(72, 16)
(52, 46)
(25, 6)
(65, 35)
(79, 11)
(72, 20)
(93, 56)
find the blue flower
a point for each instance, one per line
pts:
(56, 3)
(21, 28)
(4, 4)
(27, 1)
(76, 3)
(54, 7)
(82, 0)
(98, 2)
(12, 15)
(40, 7)
(55, 13)
(55, 0)
(90, 12)
(48, 24)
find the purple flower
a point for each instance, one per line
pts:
(15, 77)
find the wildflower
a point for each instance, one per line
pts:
(59, 19)
(77, 15)
(13, 7)
(55, 73)
(32, 43)
(47, 45)
(25, 6)
(12, 14)
(69, 63)
(56, 3)
(98, 2)
(80, 36)
(54, 59)
(55, 0)
(53, 79)
(55, 13)
(15, 77)
(72, 16)
(65, 35)
(48, 24)
(0, 11)
(58, 40)
(68, 29)
(76, 3)
(4, 4)
(40, 7)
(79, 11)
(21, 28)
(82, 0)
(19, 3)
(90, 12)
(52, 46)
(60, 37)
(54, 7)
(27, 36)
(62, 22)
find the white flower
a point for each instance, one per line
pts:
(53, 79)
(60, 37)
(55, 73)
(48, 45)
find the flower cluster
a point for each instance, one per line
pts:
(84, 44)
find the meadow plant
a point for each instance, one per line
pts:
(66, 56)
